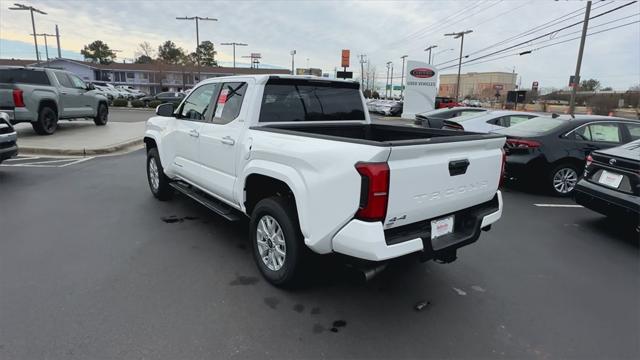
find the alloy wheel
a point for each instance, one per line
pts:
(271, 244)
(154, 175)
(564, 180)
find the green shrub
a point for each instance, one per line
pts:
(120, 102)
(137, 104)
(154, 103)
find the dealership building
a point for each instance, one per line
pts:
(478, 85)
(149, 78)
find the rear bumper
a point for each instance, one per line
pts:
(369, 241)
(18, 115)
(607, 201)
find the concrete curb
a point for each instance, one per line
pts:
(82, 152)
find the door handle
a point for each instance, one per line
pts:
(227, 140)
(194, 133)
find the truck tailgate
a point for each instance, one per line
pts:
(431, 180)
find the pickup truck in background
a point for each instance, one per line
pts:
(42, 96)
(300, 157)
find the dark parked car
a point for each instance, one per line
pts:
(611, 182)
(435, 118)
(551, 150)
(164, 97)
(8, 138)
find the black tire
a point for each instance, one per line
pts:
(47, 121)
(571, 175)
(162, 190)
(102, 116)
(283, 211)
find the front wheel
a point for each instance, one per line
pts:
(563, 179)
(278, 245)
(102, 116)
(158, 181)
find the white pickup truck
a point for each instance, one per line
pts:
(300, 157)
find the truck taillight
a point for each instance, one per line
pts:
(504, 162)
(18, 100)
(374, 193)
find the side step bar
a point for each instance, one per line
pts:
(214, 205)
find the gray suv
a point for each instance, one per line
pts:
(42, 96)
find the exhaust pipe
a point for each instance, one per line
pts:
(363, 273)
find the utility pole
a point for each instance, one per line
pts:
(402, 77)
(362, 61)
(234, 44)
(386, 85)
(429, 50)
(46, 44)
(33, 24)
(368, 75)
(373, 81)
(391, 82)
(460, 35)
(576, 78)
(293, 54)
(197, 18)
(58, 41)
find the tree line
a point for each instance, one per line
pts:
(167, 53)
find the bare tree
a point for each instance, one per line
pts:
(144, 48)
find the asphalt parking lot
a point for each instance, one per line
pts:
(93, 267)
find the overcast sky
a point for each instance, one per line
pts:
(318, 30)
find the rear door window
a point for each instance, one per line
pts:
(310, 100)
(24, 76)
(229, 102)
(608, 132)
(63, 79)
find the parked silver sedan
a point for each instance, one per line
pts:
(487, 121)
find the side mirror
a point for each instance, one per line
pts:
(90, 86)
(165, 109)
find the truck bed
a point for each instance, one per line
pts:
(375, 134)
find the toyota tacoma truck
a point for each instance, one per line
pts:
(301, 158)
(42, 96)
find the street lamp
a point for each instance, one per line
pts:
(33, 23)
(234, 44)
(293, 54)
(402, 77)
(460, 35)
(429, 50)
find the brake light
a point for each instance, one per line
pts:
(374, 193)
(18, 100)
(523, 144)
(504, 161)
(589, 160)
(453, 125)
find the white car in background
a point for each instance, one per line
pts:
(135, 93)
(107, 91)
(487, 121)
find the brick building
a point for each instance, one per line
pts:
(477, 85)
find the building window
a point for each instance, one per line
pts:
(145, 75)
(130, 75)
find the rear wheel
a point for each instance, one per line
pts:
(47, 121)
(278, 245)
(563, 179)
(102, 116)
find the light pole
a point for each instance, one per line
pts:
(576, 78)
(402, 77)
(429, 50)
(234, 44)
(386, 85)
(33, 23)
(391, 82)
(197, 18)
(46, 44)
(433, 59)
(460, 35)
(362, 61)
(293, 54)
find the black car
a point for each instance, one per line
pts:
(551, 150)
(435, 118)
(164, 97)
(611, 183)
(8, 138)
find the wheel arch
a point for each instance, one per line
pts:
(49, 103)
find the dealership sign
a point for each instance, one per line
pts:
(420, 90)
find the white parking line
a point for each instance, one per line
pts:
(559, 205)
(42, 162)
